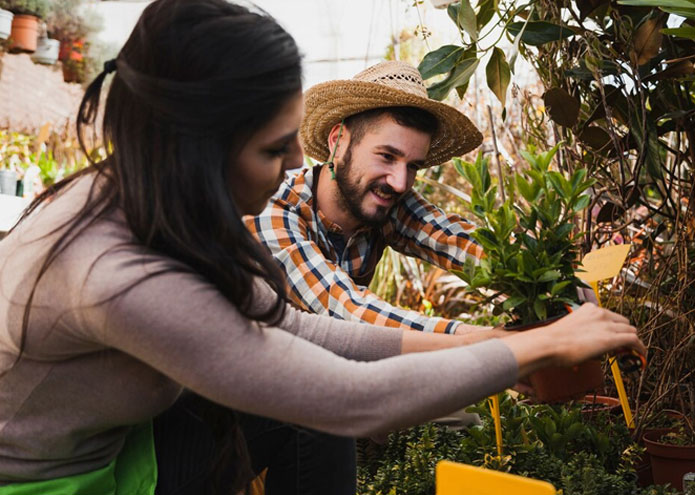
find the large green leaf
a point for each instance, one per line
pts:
(498, 74)
(681, 32)
(440, 61)
(466, 20)
(540, 32)
(460, 74)
(486, 10)
(684, 8)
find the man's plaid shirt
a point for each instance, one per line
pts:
(324, 279)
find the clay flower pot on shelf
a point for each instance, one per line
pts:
(5, 24)
(25, 33)
(669, 463)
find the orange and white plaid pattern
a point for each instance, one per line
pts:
(322, 278)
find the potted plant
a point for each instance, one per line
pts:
(5, 23)
(71, 24)
(46, 49)
(593, 405)
(8, 181)
(25, 22)
(74, 65)
(672, 452)
(531, 256)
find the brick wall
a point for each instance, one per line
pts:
(32, 94)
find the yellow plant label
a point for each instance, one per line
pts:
(460, 479)
(603, 263)
(44, 133)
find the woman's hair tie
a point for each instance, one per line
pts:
(110, 66)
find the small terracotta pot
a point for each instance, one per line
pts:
(69, 74)
(600, 403)
(644, 465)
(669, 462)
(556, 384)
(25, 33)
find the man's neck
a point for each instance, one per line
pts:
(327, 195)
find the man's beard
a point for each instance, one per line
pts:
(351, 195)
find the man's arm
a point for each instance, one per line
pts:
(419, 228)
(320, 286)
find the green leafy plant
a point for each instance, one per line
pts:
(618, 83)
(551, 443)
(38, 8)
(530, 246)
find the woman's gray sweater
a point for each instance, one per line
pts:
(92, 369)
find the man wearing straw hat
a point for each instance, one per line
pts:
(328, 226)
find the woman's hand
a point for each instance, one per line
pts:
(583, 334)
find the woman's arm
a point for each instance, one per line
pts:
(182, 326)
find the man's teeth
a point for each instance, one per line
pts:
(381, 194)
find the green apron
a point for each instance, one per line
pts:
(133, 472)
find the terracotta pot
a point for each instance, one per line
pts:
(556, 384)
(5, 24)
(69, 74)
(25, 32)
(669, 462)
(599, 403)
(46, 51)
(644, 465)
(64, 51)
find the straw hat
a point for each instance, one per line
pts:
(388, 84)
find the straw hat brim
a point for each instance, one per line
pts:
(326, 104)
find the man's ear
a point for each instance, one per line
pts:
(333, 139)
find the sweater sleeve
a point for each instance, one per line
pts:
(181, 326)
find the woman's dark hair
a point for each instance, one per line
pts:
(193, 82)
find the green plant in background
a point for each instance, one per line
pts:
(531, 250)
(619, 79)
(551, 443)
(39, 8)
(59, 157)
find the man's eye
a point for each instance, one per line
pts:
(413, 167)
(387, 156)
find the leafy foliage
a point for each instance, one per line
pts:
(619, 79)
(552, 443)
(38, 8)
(530, 246)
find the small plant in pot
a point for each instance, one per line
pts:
(672, 452)
(25, 22)
(531, 256)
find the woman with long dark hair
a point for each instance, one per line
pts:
(134, 279)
